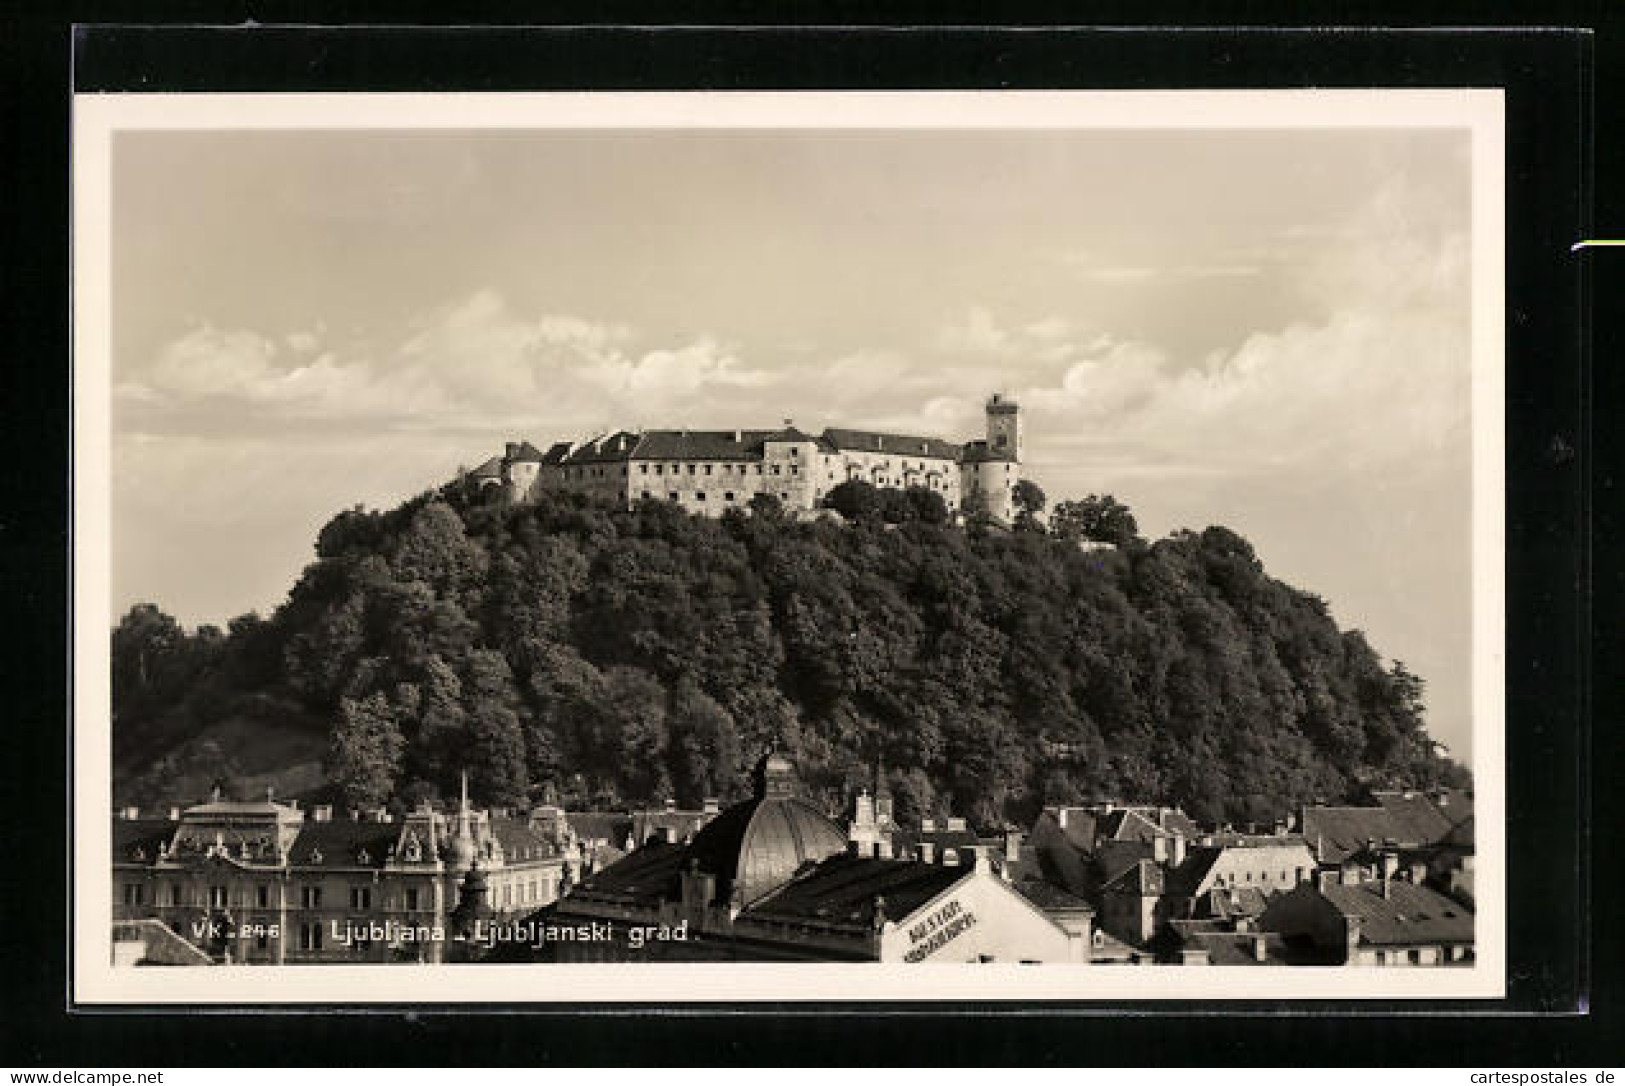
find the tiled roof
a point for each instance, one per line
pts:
(491, 469)
(789, 434)
(143, 835)
(527, 452)
(1414, 815)
(1409, 915)
(1339, 832)
(556, 452)
(342, 843)
(1115, 857)
(842, 890)
(895, 444)
(645, 876)
(600, 826)
(685, 823)
(1241, 901)
(701, 445)
(1046, 895)
(1240, 947)
(977, 452)
(519, 841)
(611, 448)
(1144, 878)
(1461, 834)
(1188, 876)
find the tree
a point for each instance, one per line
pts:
(1029, 497)
(854, 499)
(1101, 518)
(926, 506)
(364, 754)
(766, 507)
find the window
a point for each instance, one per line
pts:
(728, 496)
(411, 898)
(310, 936)
(699, 495)
(643, 469)
(310, 897)
(660, 469)
(133, 893)
(673, 495)
(262, 897)
(646, 494)
(758, 469)
(691, 469)
(794, 470)
(775, 469)
(795, 451)
(360, 897)
(262, 941)
(176, 896)
(708, 469)
(217, 897)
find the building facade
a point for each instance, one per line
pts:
(270, 883)
(711, 471)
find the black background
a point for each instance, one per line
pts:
(1564, 953)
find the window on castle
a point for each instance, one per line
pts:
(360, 897)
(728, 497)
(660, 469)
(708, 469)
(643, 469)
(672, 495)
(646, 494)
(775, 469)
(795, 452)
(699, 495)
(794, 470)
(758, 469)
(691, 469)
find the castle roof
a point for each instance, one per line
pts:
(978, 452)
(491, 469)
(701, 444)
(610, 448)
(556, 452)
(894, 444)
(526, 452)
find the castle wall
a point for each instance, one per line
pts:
(890, 470)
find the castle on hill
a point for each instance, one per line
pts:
(711, 471)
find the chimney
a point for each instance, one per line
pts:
(511, 450)
(984, 862)
(711, 806)
(322, 812)
(1260, 948)
(1159, 848)
(928, 825)
(1390, 868)
(1442, 799)
(669, 833)
(671, 804)
(1012, 845)
(1179, 849)
(130, 814)
(878, 441)
(380, 814)
(1419, 872)
(883, 848)
(1060, 816)
(928, 852)
(174, 814)
(739, 436)
(956, 825)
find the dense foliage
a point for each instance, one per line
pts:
(594, 655)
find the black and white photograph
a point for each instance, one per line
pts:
(984, 545)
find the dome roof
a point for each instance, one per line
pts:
(757, 846)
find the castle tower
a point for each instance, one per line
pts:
(1004, 427)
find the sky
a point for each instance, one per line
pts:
(1264, 329)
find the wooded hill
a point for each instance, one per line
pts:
(593, 655)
